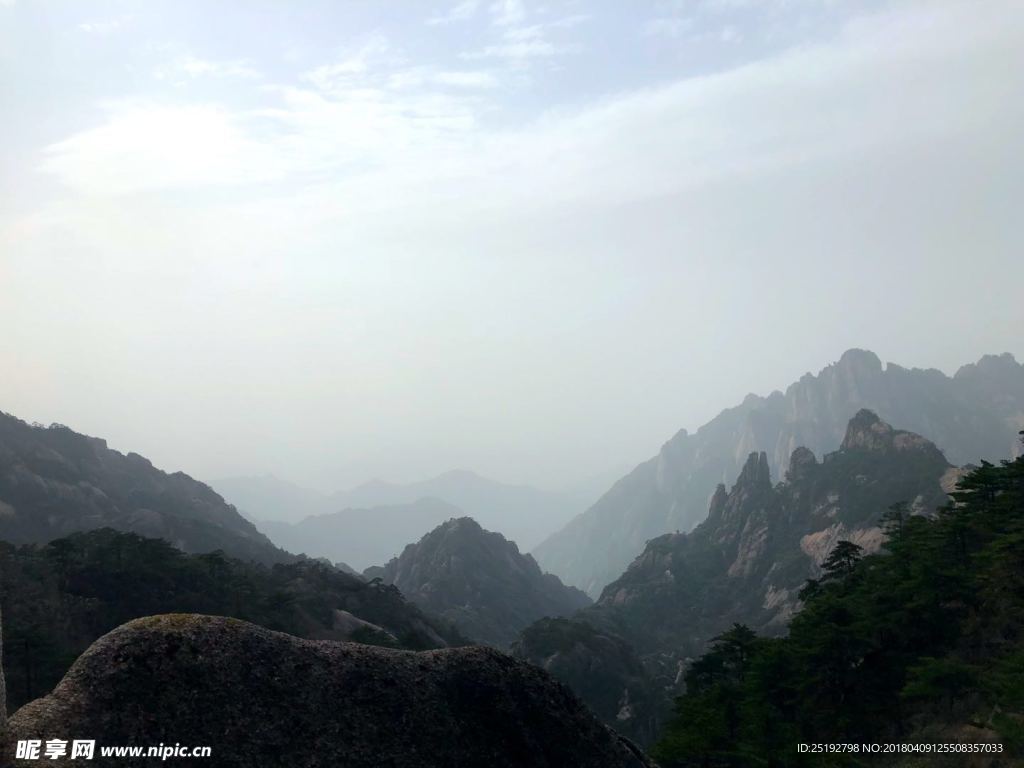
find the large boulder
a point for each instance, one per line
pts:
(259, 697)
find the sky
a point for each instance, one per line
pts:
(336, 241)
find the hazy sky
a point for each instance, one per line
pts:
(340, 240)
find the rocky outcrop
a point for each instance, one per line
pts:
(54, 482)
(972, 415)
(258, 697)
(479, 581)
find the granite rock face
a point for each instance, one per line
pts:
(55, 482)
(479, 581)
(263, 698)
(972, 415)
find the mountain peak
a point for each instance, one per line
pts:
(799, 462)
(755, 472)
(861, 361)
(867, 432)
(479, 580)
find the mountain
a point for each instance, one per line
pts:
(60, 597)
(54, 482)
(525, 514)
(364, 536)
(747, 562)
(479, 581)
(972, 415)
(258, 697)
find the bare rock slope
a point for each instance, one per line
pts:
(263, 698)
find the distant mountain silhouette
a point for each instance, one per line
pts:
(972, 415)
(479, 581)
(523, 513)
(359, 537)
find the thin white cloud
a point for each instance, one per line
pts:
(375, 52)
(669, 26)
(834, 99)
(459, 12)
(521, 42)
(102, 26)
(466, 79)
(194, 66)
(508, 13)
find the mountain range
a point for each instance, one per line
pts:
(746, 563)
(479, 581)
(360, 537)
(972, 415)
(523, 513)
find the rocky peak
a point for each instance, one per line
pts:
(867, 432)
(718, 500)
(755, 474)
(862, 362)
(801, 462)
(478, 580)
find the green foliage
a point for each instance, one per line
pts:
(927, 635)
(60, 597)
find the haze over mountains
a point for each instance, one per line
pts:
(457, 582)
(297, 518)
(971, 415)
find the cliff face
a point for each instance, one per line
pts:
(54, 482)
(262, 698)
(479, 581)
(972, 415)
(760, 543)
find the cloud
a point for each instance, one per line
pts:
(669, 26)
(878, 84)
(463, 11)
(197, 67)
(520, 42)
(102, 27)
(506, 13)
(375, 52)
(144, 146)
